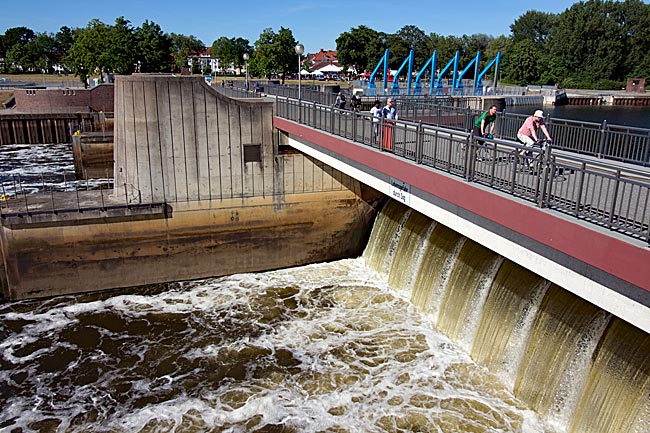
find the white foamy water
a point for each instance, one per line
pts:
(319, 348)
(32, 168)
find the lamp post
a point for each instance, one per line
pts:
(300, 49)
(246, 57)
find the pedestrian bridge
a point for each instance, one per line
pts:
(579, 222)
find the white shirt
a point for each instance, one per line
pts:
(376, 113)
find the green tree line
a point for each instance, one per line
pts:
(592, 44)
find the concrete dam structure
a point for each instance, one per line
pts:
(202, 188)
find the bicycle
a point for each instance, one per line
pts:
(537, 163)
(482, 152)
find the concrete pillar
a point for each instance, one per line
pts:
(177, 139)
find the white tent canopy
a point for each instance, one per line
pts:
(304, 72)
(330, 68)
(317, 73)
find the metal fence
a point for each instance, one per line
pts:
(602, 193)
(18, 196)
(235, 92)
(621, 143)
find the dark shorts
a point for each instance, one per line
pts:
(477, 134)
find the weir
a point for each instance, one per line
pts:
(580, 368)
(229, 196)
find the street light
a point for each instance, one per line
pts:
(246, 57)
(300, 49)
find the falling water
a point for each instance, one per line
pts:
(467, 291)
(330, 348)
(581, 370)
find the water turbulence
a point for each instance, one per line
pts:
(443, 246)
(578, 368)
(348, 346)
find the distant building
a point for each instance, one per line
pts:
(322, 58)
(205, 61)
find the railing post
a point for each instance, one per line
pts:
(542, 200)
(418, 143)
(612, 209)
(603, 139)
(513, 177)
(581, 181)
(469, 157)
(299, 112)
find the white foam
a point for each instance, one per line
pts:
(314, 348)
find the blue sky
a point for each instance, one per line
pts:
(314, 23)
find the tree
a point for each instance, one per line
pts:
(120, 58)
(63, 40)
(184, 47)
(361, 47)
(274, 53)
(521, 67)
(533, 25)
(15, 36)
(446, 47)
(588, 43)
(87, 53)
(406, 39)
(635, 16)
(154, 48)
(230, 51)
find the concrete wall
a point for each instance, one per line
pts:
(178, 139)
(182, 145)
(190, 240)
(99, 98)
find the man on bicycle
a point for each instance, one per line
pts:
(485, 122)
(527, 134)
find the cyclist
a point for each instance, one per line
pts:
(527, 134)
(484, 122)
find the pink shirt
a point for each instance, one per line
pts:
(530, 123)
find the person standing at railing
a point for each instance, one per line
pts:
(527, 134)
(340, 101)
(390, 113)
(376, 112)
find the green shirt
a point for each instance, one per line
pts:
(488, 119)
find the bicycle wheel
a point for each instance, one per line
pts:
(483, 154)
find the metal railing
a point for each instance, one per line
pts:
(598, 192)
(235, 92)
(621, 143)
(20, 197)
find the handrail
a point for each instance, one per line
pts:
(602, 140)
(614, 196)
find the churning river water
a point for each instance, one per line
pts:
(321, 348)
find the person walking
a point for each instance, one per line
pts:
(340, 101)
